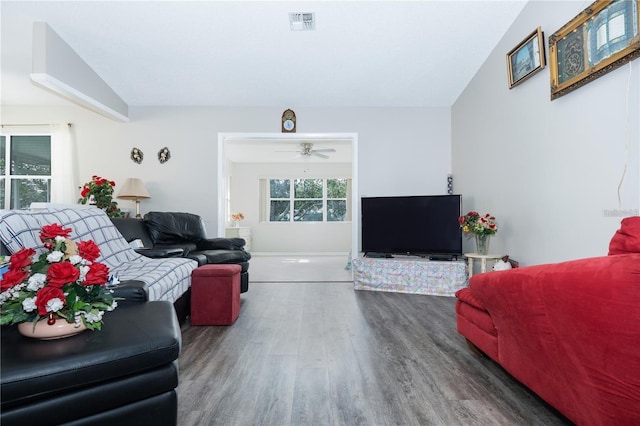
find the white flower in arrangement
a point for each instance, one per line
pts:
(54, 305)
(55, 256)
(84, 270)
(29, 304)
(36, 282)
(93, 316)
(76, 259)
(12, 293)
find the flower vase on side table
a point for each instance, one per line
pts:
(482, 244)
(46, 329)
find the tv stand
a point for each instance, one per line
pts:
(409, 274)
(441, 257)
(373, 255)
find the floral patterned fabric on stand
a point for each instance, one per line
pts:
(409, 275)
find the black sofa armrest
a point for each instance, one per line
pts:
(133, 229)
(155, 252)
(198, 257)
(132, 292)
(221, 244)
(225, 256)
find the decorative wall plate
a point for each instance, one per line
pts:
(136, 155)
(164, 155)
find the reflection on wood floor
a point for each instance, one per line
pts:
(325, 354)
(299, 268)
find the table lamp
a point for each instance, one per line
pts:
(133, 189)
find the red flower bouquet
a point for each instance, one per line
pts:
(99, 191)
(473, 223)
(65, 282)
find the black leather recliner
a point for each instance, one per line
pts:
(167, 234)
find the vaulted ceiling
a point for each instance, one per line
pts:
(243, 53)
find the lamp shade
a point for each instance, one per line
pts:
(133, 189)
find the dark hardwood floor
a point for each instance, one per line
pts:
(324, 354)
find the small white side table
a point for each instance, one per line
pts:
(483, 260)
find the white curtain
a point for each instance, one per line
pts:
(64, 165)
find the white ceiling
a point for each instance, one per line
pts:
(241, 53)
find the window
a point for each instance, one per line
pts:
(25, 170)
(336, 200)
(308, 200)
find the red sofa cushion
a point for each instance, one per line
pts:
(570, 331)
(472, 308)
(627, 238)
(466, 295)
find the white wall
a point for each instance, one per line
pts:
(403, 151)
(307, 237)
(547, 170)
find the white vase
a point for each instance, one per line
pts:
(44, 331)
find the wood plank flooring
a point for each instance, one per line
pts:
(324, 354)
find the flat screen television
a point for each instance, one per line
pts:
(416, 225)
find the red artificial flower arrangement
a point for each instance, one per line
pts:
(473, 223)
(99, 192)
(66, 282)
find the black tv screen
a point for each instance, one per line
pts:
(419, 225)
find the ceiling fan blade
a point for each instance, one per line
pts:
(324, 150)
(317, 154)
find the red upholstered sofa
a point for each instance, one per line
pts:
(569, 331)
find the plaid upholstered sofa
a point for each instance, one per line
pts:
(166, 279)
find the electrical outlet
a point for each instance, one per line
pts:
(619, 212)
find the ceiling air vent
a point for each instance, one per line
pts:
(302, 21)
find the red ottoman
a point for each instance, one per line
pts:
(215, 294)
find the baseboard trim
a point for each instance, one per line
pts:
(271, 253)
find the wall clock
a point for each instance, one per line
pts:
(288, 121)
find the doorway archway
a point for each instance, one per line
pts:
(227, 142)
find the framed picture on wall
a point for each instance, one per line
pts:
(526, 59)
(600, 39)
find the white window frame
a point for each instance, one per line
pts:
(291, 199)
(7, 178)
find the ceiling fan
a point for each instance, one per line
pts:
(306, 150)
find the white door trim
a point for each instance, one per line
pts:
(225, 138)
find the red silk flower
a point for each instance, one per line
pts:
(44, 295)
(49, 232)
(21, 259)
(98, 274)
(12, 278)
(88, 250)
(62, 273)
